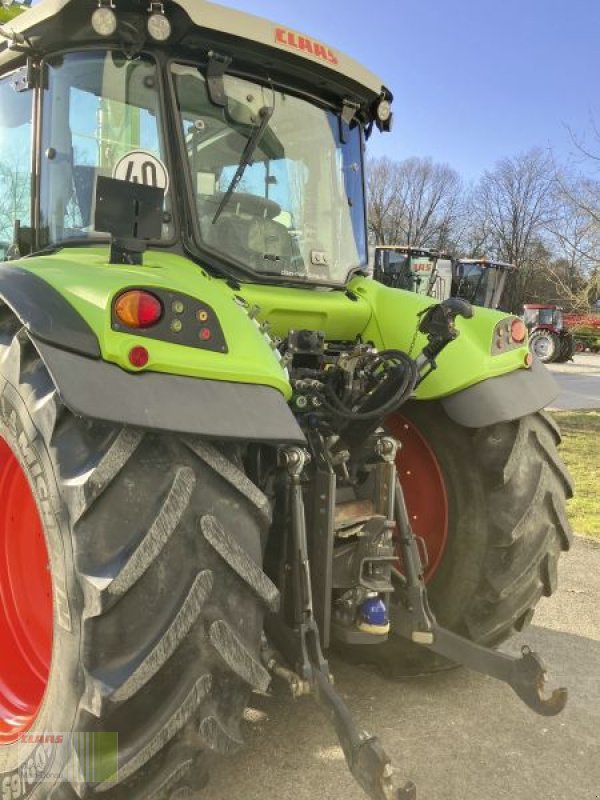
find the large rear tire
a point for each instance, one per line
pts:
(154, 546)
(567, 349)
(506, 527)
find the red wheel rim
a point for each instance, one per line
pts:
(26, 618)
(424, 487)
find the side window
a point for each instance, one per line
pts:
(15, 161)
(100, 118)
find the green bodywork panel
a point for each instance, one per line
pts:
(89, 284)
(387, 317)
(463, 363)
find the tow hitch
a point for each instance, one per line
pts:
(366, 758)
(415, 620)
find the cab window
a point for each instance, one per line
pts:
(15, 160)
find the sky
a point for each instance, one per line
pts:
(474, 81)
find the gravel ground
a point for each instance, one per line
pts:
(458, 735)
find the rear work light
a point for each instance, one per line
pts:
(138, 309)
(518, 330)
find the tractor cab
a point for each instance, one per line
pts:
(543, 316)
(262, 179)
(414, 269)
(480, 281)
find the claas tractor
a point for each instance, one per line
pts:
(479, 280)
(225, 452)
(549, 338)
(415, 269)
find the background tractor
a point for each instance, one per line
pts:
(415, 269)
(481, 281)
(224, 450)
(549, 338)
(478, 280)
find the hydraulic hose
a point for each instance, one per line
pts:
(373, 409)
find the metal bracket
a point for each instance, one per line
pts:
(366, 758)
(349, 111)
(301, 646)
(218, 64)
(415, 621)
(25, 78)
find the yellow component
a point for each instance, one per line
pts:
(202, 316)
(377, 630)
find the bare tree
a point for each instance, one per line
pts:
(414, 202)
(383, 187)
(513, 206)
(576, 231)
(430, 202)
(15, 196)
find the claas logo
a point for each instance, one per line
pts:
(305, 45)
(422, 266)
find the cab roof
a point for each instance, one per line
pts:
(284, 44)
(489, 263)
(412, 250)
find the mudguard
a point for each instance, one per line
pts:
(503, 399)
(45, 313)
(90, 387)
(170, 403)
(476, 384)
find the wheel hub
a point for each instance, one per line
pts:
(26, 613)
(541, 346)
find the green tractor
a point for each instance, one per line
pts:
(225, 451)
(415, 269)
(481, 281)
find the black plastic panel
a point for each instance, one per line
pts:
(45, 312)
(200, 327)
(504, 398)
(170, 403)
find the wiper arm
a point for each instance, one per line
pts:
(265, 113)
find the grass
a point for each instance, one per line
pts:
(7, 14)
(580, 451)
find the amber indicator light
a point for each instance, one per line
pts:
(138, 309)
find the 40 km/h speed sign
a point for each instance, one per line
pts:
(141, 166)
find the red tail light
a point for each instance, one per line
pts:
(518, 330)
(138, 309)
(138, 357)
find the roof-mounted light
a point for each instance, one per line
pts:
(383, 112)
(159, 26)
(104, 19)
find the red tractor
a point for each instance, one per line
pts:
(549, 338)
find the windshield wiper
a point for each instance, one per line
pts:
(265, 114)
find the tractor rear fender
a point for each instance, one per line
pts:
(504, 398)
(477, 382)
(91, 387)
